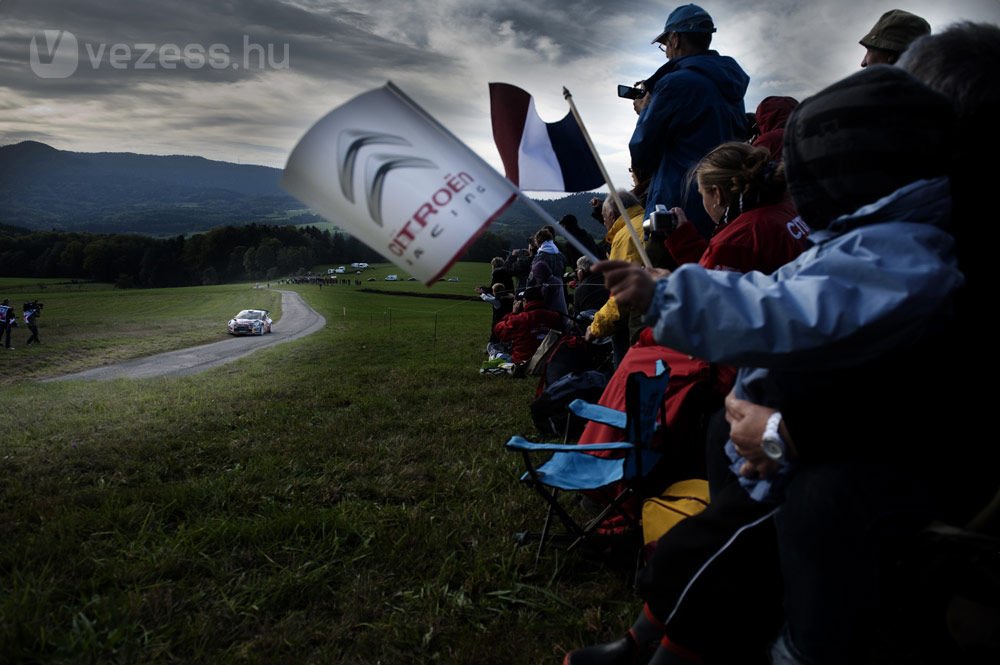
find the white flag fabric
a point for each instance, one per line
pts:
(385, 171)
(539, 155)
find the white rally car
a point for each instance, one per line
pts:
(250, 322)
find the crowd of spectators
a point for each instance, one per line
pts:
(810, 269)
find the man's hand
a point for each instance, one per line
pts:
(746, 429)
(641, 103)
(628, 283)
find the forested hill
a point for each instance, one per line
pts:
(42, 188)
(45, 188)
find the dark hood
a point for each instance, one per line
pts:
(723, 71)
(772, 113)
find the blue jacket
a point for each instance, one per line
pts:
(872, 281)
(835, 323)
(697, 104)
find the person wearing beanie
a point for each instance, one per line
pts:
(693, 103)
(890, 36)
(835, 345)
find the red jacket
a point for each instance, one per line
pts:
(762, 239)
(527, 329)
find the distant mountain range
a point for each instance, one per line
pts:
(42, 188)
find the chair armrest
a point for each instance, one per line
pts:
(597, 413)
(522, 444)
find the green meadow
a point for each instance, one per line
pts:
(343, 498)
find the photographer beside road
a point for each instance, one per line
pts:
(8, 320)
(32, 310)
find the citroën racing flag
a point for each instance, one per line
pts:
(385, 171)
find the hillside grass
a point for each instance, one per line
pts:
(344, 498)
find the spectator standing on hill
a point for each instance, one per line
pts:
(572, 226)
(31, 313)
(548, 252)
(693, 103)
(552, 288)
(519, 265)
(891, 35)
(501, 274)
(8, 319)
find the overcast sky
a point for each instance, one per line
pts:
(173, 77)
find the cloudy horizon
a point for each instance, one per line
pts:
(242, 80)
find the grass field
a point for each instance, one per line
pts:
(344, 498)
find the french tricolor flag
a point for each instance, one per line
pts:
(538, 155)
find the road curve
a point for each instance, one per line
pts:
(297, 320)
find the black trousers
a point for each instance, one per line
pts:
(840, 527)
(714, 579)
(34, 333)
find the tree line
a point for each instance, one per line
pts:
(224, 254)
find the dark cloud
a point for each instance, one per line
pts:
(328, 41)
(442, 52)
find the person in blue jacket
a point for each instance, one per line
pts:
(841, 342)
(693, 103)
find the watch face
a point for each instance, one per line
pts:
(772, 448)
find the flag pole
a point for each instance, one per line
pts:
(607, 178)
(533, 205)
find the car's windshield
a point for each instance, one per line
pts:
(249, 314)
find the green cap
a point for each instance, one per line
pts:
(895, 30)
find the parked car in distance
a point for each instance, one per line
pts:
(250, 322)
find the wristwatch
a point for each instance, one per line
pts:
(771, 443)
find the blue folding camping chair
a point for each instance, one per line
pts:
(571, 467)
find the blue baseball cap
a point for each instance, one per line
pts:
(687, 18)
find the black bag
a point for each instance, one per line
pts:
(548, 410)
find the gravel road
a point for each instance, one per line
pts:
(297, 320)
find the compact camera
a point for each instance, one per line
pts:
(661, 221)
(630, 92)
